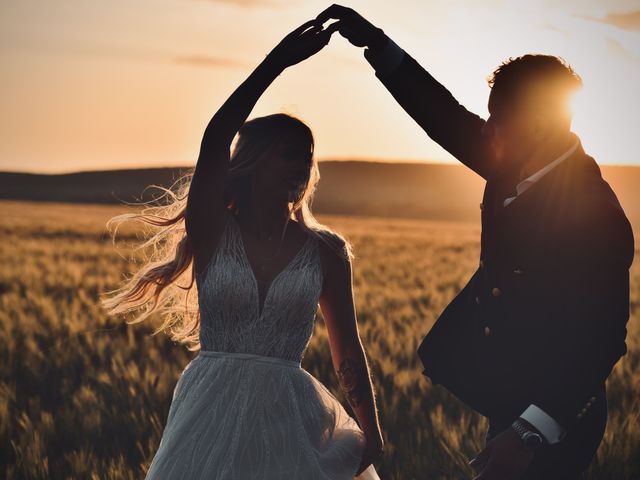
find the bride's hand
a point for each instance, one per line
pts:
(305, 41)
(374, 448)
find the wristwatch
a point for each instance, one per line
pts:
(530, 439)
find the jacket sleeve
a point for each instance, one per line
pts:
(439, 114)
(591, 311)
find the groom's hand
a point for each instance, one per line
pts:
(355, 28)
(504, 458)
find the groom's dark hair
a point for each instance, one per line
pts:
(545, 82)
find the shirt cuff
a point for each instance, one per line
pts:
(548, 427)
(387, 60)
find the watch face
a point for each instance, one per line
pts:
(532, 440)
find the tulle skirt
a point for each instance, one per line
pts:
(242, 416)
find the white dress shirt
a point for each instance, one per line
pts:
(529, 181)
(385, 62)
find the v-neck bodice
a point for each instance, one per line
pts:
(232, 317)
(263, 295)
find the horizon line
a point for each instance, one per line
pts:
(388, 161)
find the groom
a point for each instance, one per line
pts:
(531, 339)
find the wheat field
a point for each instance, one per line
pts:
(83, 395)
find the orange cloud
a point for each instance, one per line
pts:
(625, 21)
(206, 61)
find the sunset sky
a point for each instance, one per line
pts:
(90, 84)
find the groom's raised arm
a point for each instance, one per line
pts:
(433, 107)
(428, 102)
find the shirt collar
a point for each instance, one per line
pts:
(524, 184)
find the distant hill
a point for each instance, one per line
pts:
(431, 191)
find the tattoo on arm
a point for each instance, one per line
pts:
(352, 377)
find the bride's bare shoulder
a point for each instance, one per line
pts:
(335, 254)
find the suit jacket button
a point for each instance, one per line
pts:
(495, 291)
(579, 416)
(518, 271)
(593, 399)
(478, 300)
(584, 410)
(487, 331)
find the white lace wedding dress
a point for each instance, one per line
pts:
(244, 408)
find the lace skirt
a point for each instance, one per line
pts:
(243, 416)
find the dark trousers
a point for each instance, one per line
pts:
(570, 458)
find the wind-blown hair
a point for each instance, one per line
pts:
(165, 283)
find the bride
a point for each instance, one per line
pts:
(244, 408)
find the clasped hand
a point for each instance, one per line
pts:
(305, 41)
(311, 37)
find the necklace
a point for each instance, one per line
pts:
(265, 261)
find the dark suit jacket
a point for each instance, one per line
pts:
(543, 319)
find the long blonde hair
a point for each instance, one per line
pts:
(165, 282)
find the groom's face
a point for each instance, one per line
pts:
(510, 128)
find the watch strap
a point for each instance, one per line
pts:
(522, 428)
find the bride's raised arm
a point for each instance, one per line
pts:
(205, 206)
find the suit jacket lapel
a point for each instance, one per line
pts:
(538, 196)
(507, 232)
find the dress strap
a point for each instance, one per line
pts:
(224, 242)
